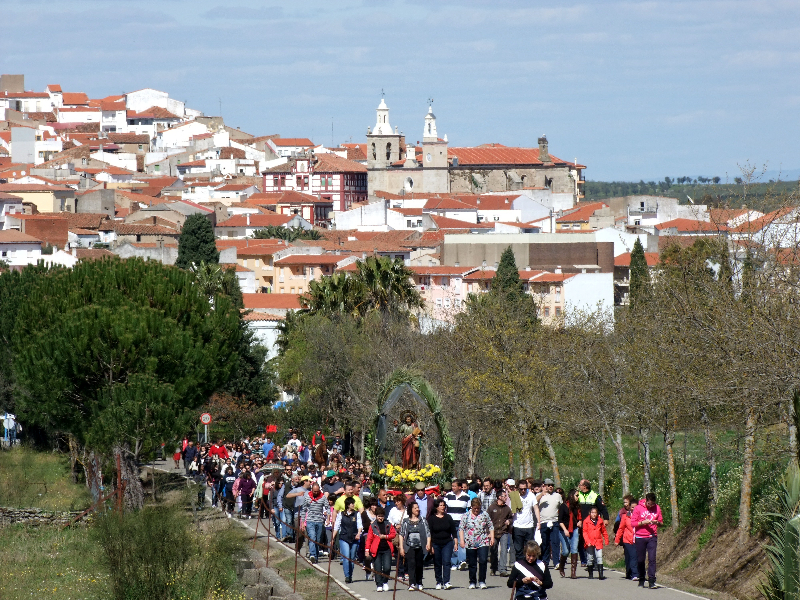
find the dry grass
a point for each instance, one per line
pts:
(30, 479)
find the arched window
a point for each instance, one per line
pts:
(389, 151)
(429, 128)
(374, 154)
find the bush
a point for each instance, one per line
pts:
(155, 554)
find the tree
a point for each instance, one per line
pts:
(639, 273)
(506, 280)
(290, 234)
(337, 293)
(120, 350)
(388, 285)
(196, 244)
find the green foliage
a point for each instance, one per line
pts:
(506, 280)
(781, 580)
(639, 273)
(380, 285)
(154, 554)
(131, 338)
(196, 244)
(30, 479)
(290, 234)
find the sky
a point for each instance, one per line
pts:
(632, 90)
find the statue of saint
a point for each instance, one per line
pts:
(410, 432)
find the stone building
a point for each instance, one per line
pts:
(398, 167)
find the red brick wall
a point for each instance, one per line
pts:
(51, 231)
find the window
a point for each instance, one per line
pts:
(447, 302)
(389, 151)
(558, 311)
(258, 262)
(408, 223)
(244, 262)
(419, 222)
(374, 154)
(457, 302)
(497, 218)
(231, 233)
(292, 291)
(547, 311)
(157, 168)
(439, 302)
(637, 222)
(141, 147)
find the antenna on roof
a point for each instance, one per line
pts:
(220, 107)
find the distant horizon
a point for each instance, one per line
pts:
(632, 90)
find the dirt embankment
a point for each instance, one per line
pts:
(722, 564)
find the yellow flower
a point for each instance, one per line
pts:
(382, 471)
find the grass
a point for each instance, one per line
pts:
(310, 582)
(30, 479)
(46, 562)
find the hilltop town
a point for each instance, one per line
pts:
(82, 178)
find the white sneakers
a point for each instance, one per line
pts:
(385, 587)
(412, 588)
(472, 586)
(482, 585)
(379, 588)
(448, 586)
(438, 586)
(419, 587)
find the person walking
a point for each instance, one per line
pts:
(227, 483)
(189, 454)
(530, 577)
(415, 539)
(625, 538)
(587, 498)
(315, 503)
(379, 546)
(348, 526)
(444, 539)
(549, 503)
(527, 511)
(645, 519)
(595, 537)
(500, 514)
(569, 519)
(457, 502)
(476, 536)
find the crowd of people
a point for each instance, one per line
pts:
(517, 530)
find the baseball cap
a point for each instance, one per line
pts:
(305, 478)
(510, 482)
(330, 473)
(549, 482)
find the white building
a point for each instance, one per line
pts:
(17, 248)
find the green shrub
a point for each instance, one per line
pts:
(156, 554)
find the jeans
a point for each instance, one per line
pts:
(414, 558)
(522, 535)
(382, 563)
(498, 554)
(551, 542)
(476, 559)
(647, 546)
(441, 562)
(315, 530)
(287, 516)
(348, 550)
(631, 566)
(594, 555)
(573, 540)
(458, 557)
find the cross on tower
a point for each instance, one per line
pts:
(430, 101)
(382, 94)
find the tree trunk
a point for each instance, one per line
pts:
(470, 444)
(794, 460)
(129, 473)
(712, 464)
(601, 475)
(644, 433)
(528, 464)
(747, 474)
(362, 449)
(73, 457)
(553, 460)
(510, 460)
(94, 476)
(623, 464)
(669, 440)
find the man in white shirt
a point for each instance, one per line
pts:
(549, 503)
(524, 530)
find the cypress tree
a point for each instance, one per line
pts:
(506, 280)
(196, 243)
(639, 272)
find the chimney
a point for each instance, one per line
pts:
(558, 269)
(544, 156)
(248, 219)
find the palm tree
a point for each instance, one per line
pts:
(337, 293)
(389, 285)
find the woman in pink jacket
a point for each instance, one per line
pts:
(645, 520)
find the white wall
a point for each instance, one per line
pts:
(623, 241)
(266, 334)
(588, 293)
(20, 254)
(143, 99)
(371, 217)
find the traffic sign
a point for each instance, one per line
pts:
(205, 418)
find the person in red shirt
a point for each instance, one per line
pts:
(219, 450)
(594, 536)
(625, 538)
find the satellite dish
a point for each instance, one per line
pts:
(690, 199)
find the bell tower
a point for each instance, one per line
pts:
(434, 156)
(383, 148)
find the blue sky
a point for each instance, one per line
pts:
(633, 90)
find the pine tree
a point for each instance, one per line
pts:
(639, 273)
(506, 280)
(196, 243)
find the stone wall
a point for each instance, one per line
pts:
(36, 516)
(260, 582)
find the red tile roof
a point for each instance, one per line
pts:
(258, 220)
(233, 187)
(692, 226)
(193, 163)
(93, 253)
(274, 301)
(497, 154)
(78, 109)
(624, 260)
(75, 98)
(309, 259)
(12, 236)
(54, 88)
(154, 112)
(137, 229)
(330, 163)
(288, 142)
(287, 197)
(448, 223)
(762, 222)
(32, 187)
(581, 212)
(441, 270)
(552, 277)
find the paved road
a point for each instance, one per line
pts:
(615, 587)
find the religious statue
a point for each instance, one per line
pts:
(410, 432)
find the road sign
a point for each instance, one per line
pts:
(205, 418)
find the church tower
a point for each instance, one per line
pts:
(434, 156)
(383, 149)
